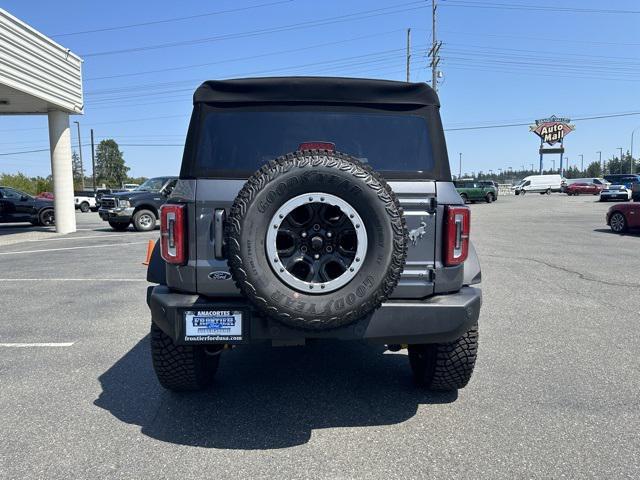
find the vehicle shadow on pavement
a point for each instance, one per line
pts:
(267, 398)
(8, 229)
(631, 233)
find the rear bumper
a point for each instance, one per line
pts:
(609, 198)
(437, 319)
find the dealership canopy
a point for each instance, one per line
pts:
(38, 76)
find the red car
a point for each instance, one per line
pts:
(583, 188)
(47, 195)
(624, 216)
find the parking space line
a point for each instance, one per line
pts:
(119, 280)
(72, 248)
(28, 345)
(57, 239)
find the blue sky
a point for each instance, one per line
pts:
(502, 62)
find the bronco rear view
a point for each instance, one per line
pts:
(314, 208)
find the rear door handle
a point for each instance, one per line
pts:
(219, 218)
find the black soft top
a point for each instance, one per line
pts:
(330, 90)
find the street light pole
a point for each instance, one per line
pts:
(581, 162)
(93, 163)
(460, 166)
(80, 149)
(554, 164)
(631, 151)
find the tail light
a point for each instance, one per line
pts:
(173, 235)
(456, 235)
(317, 146)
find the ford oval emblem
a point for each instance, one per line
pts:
(219, 275)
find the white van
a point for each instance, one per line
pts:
(539, 183)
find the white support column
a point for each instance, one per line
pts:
(61, 169)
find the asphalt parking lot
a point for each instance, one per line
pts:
(555, 393)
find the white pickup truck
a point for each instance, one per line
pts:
(85, 201)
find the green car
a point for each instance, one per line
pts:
(473, 191)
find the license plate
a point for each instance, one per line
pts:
(213, 326)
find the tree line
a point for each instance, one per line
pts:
(593, 169)
(111, 171)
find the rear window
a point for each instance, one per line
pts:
(233, 143)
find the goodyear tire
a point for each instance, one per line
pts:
(316, 240)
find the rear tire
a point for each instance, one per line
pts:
(464, 197)
(445, 366)
(181, 368)
(144, 220)
(84, 207)
(119, 226)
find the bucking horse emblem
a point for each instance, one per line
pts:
(417, 233)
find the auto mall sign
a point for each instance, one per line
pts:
(552, 130)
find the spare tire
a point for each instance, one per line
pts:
(316, 240)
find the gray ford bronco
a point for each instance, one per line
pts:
(314, 208)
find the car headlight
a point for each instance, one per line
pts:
(124, 203)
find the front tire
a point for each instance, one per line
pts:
(489, 198)
(618, 223)
(182, 368)
(445, 366)
(464, 197)
(46, 217)
(119, 226)
(144, 220)
(84, 207)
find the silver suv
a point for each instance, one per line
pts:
(314, 208)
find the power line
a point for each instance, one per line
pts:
(372, 57)
(238, 59)
(171, 20)
(476, 127)
(543, 8)
(265, 31)
(540, 38)
(507, 125)
(163, 117)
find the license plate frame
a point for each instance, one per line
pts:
(214, 325)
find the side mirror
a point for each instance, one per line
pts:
(24, 198)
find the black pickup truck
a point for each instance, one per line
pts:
(140, 206)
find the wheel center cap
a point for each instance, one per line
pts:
(317, 242)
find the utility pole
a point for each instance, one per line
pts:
(93, 163)
(460, 166)
(620, 148)
(600, 161)
(581, 162)
(435, 48)
(80, 149)
(408, 55)
(554, 164)
(631, 151)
